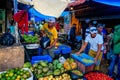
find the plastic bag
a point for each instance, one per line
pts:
(7, 39)
(45, 42)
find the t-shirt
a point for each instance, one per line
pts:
(94, 41)
(12, 29)
(51, 33)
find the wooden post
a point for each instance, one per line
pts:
(16, 25)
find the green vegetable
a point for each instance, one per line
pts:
(45, 69)
(39, 71)
(43, 63)
(55, 62)
(59, 65)
(35, 65)
(27, 65)
(57, 72)
(49, 73)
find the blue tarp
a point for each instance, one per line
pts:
(38, 16)
(109, 2)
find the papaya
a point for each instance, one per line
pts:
(67, 65)
(73, 65)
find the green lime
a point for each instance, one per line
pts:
(15, 75)
(3, 79)
(18, 72)
(21, 70)
(21, 73)
(0, 76)
(11, 74)
(6, 75)
(22, 79)
(18, 76)
(8, 78)
(13, 78)
(11, 71)
(25, 76)
(28, 74)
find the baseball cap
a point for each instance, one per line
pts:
(87, 20)
(100, 25)
(52, 20)
(93, 30)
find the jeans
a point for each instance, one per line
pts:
(115, 59)
(118, 69)
(49, 52)
(111, 67)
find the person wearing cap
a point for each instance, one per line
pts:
(96, 41)
(50, 31)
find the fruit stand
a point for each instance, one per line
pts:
(50, 70)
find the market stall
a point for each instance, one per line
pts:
(26, 61)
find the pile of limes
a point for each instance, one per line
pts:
(15, 74)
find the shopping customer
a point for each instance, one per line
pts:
(96, 41)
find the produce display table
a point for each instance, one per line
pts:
(11, 57)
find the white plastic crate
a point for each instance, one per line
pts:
(31, 78)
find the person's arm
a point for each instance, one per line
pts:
(55, 35)
(82, 48)
(53, 44)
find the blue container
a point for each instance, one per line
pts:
(31, 33)
(40, 50)
(83, 56)
(57, 51)
(36, 59)
(64, 49)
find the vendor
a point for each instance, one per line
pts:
(50, 31)
(96, 41)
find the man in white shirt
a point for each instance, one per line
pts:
(96, 41)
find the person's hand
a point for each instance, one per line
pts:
(44, 35)
(48, 47)
(95, 60)
(77, 53)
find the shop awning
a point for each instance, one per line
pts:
(109, 2)
(37, 15)
(51, 7)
